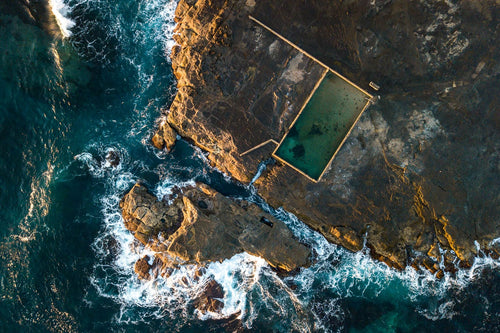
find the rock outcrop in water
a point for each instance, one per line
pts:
(200, 225)
(210, 299)
(165, 137)
(418, 176)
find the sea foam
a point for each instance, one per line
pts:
(61, 12)
(251, 287)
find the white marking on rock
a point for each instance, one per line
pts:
(293, 72)
(250, 3)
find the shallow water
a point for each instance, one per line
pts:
(67, 260)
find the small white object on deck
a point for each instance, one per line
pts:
(375, 86)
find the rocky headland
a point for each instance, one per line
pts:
(417, 180)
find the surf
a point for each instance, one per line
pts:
(62, 12)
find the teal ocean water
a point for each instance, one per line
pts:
(69, 108)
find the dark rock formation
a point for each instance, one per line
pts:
(201, 225)
(233, 76)
(210, 298)
(112, 158)
(420, 170)
(146, 217)
(142, 268)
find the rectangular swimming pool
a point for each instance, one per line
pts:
(322, 126)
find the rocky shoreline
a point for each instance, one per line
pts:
(417, 180)
(198, 225)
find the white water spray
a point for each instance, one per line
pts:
(61, 12)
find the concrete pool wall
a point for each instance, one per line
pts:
(322, 125)
(324, 122)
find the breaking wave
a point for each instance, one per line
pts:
(310, 300)
(61, 12)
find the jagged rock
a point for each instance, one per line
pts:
(214, 39)
(165, 137)
(201, 225)
(210, 298)
(417, 171)
(142, 268)
(144, 215)
(37, 13)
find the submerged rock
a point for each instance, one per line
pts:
(201, 225)
(417, 172)
(112, 158)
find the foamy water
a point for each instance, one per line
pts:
(61, 12)
(249, 284)
(174, 292)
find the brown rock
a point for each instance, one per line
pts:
(430, 265)
(38, 13)
(202, 226)
(142, 268)
(216, 228)
(416, 171)
(210, 298)
(462, 245)
(347, 237)
(199, 273)
(165, 137)
(434, 251)
(217, 95)
(145, 216)
(494, 254)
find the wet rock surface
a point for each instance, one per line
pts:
(164, 137)
(233, 76)
(142, 268)
(147, 217)
(210, 298)
(418, 176)
(202, 226)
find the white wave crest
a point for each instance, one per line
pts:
(61, 12)
(102, 161)
(251, 288)
(344, 274)
(164, 296)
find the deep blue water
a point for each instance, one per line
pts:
(66, 258)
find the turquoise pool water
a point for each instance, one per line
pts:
(322, 126)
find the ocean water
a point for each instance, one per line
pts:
(66, 258)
